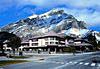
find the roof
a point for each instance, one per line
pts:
(51, 33)
(80, 44)
(35, 37)
(80, 39)
(48, 34)
(61, 34)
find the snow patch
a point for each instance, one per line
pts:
(33, 16)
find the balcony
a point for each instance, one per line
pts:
(35, 42)
(33, 46)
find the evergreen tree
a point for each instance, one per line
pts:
(92, 39)
(14, 41)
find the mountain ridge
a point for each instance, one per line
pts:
(54, 20)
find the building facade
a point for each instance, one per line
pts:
(48, 42)
(53, 42)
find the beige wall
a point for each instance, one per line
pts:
(41, 42)
(45, 41)
(30, 42)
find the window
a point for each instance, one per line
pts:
(46, 43)
(52, 38)
(71, 41)
(56, 42)
(34, 44)
(46, 39)
(34, 40)
(51, 42)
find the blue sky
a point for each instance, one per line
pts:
(85, 10)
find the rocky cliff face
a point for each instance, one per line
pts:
(57, 20)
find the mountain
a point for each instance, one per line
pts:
(57, 20)
(97, 35)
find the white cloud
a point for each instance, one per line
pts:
(78, 8)
(84, 3)
(73, 3)
(91, 18)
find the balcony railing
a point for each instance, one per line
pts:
(35, 42)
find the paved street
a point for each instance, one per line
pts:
(60, 62)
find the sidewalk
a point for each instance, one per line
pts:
(58, 54)
(42, 56)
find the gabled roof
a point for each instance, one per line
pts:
(48, 34)
(51, 33)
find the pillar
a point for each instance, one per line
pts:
(49, 50)
(55, 50)
(30, 43)
(61, 50)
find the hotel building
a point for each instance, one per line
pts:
(51, 41)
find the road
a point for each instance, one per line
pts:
(60, 62)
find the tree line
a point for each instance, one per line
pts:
(10, 39)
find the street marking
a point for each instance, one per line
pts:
(59, 67)
(81, 63)
(98, 65)
(52, 62)
(70, 62)
(93, 64)
(58, 62)
(67, 63)
(75, 62)
(86, 64)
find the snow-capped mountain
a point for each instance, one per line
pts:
(97, 35)
(57, 20)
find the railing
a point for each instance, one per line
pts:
(35, 42)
